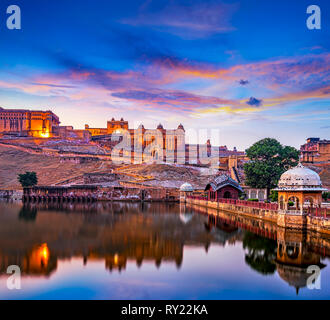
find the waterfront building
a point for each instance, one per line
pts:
(223, 187)
(255, 193)
(185, 190)
(299, 190)
(299, 187)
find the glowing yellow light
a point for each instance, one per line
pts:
(44, 135)
(116, 258)
(43, 253)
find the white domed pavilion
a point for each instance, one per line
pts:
(186, 187)
(299, 188)
(185, 190)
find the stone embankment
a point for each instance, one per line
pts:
(265, 212)
(11, 194)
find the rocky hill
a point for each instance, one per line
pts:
(50, 170)
(323, 169)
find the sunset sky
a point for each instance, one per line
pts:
(250, 68)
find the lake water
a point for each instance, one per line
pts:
(153, 251)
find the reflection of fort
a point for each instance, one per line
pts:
(120, 233)
(112, 232)
(140, 252)
(36, 261)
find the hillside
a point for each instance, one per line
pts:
(170, 176)
(15, 160)
(324, 171)
(49, 169)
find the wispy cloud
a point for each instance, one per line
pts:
(192, 20)
(286, 80)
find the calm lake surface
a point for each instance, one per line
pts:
(152, 251)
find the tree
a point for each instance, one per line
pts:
(28, 179)
(260, 253)
(268, 161)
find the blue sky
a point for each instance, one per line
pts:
(249, 68)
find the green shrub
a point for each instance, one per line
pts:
(326, 196)
(28, 179)
(253, 200)
(273, 196)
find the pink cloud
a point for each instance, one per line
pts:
(289, 80)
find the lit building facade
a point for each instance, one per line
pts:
(28, 123)
(125, 144)
(139, 144)
(113, 126)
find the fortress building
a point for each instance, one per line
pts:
(166, 145)
(163, 144)
(113, 126)
(140, 145)
(28, 123)
(315, 151)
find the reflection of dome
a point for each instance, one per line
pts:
(186, 217)
(295, 276)
(186, 187)
(300, 179)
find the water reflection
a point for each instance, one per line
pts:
(28, 213)
(37, 237)
(289, 256)
(113, 232)
(260, 253)
(294, 257)
(269, 248)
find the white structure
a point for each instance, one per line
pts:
(299, 190)
(300, 178)
(255, 193)
(186, 187)
(186, 217)
(185, 190)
